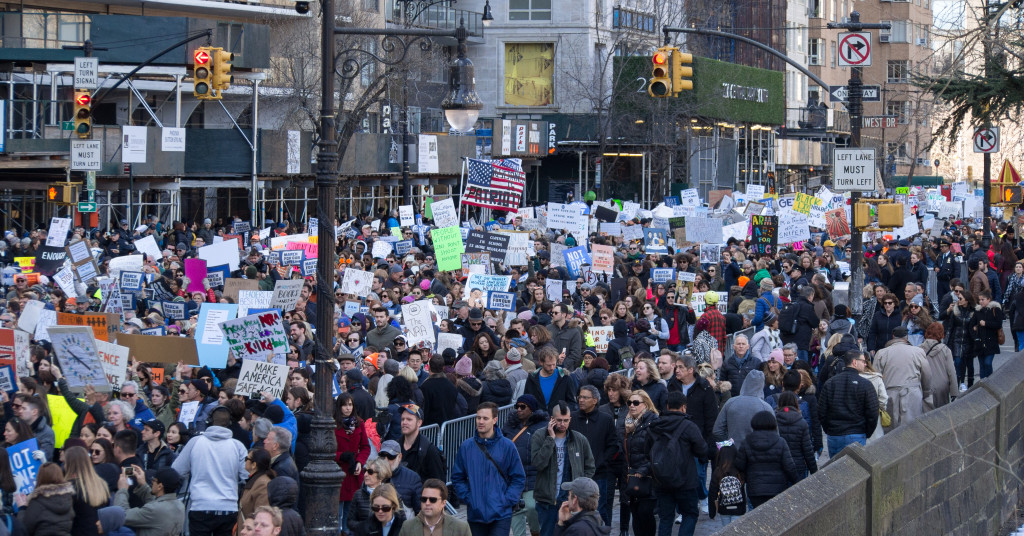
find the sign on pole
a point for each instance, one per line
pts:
(86, 155)
(87, 71)
(854, 170)
(869, 93)
(855, 49)
(986, 140)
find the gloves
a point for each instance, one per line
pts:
(39, 455)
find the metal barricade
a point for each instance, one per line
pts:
(431, 433)
(454, 432)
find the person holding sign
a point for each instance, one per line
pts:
(49, 504)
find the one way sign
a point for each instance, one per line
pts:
(855, 49)
(842, 93)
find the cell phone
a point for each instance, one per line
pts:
(127, 471)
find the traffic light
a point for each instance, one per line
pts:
(1013, 195)
(52, 194)
(83, 113)
(221, 70)
(203, 85)
(62, 193)
(661, 63)
(682, 72)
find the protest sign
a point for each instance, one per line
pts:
(253, 299)
(173, 310)
(503, 301)
(478, 285)
(836, 224)
(189, 410)
(258, 377)
(655, 241)
(380, 249)
(161, 349)
(30, 315)
(351, 308)
(114, 359)
(195, 271)
(704, 230)
(357, 282)
(632, 232)
(909, 228)
(257, 336)
(233, 284)
(65, 279)
(755, 191)
(308, 267)
(764, 234)
(405, 216)
(58, 233)
(447, 247)
(602, 335)
(105, 326)
(710, 253)
(793, 227)
(291, 257)
(575, 258)
(223, 253)
(147, 245)
(494, 243)
(553, 289)
(444, 213)
(402, 247)
(519, 247)
(308, 249)
(603, 258)
(49, 259)
(698, 305)
(803, 203)
(419, 327)
(75, 346)
(689, 197)
(24, 466)
(568, 217)
(212, 348)
(476, 263)
(131, 282)
(449, 340)
(605, 214)
(286, 294)
(662, 275)
(22, 345)
(47, 318)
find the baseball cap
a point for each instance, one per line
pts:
(390, 447)
(582, 487)
(155, 425)
(413, 409)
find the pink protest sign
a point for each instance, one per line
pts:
(309, 249)
(195, 271)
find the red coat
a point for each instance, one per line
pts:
(356, 443)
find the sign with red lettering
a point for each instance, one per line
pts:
(260, 336)
(114, 359)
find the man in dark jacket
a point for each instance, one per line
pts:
(701, 406)
(848, 405)
(551, 384)
(419, 454)
(578, 515)
(622, 340)
(736, 368)
(439, 395)
(154, 452)
(599, 429)
(946, 267)
(806, 323)
(362, 400)
(475, 326)
(278, 443)
(407, 483)
(526, 420)
(558, 455)
(680, 491)
(283, 493)
(564, 335)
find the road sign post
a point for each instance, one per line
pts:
(855, 49)
(986, 140)
(87, 72)
(86, 155)
(853, 170)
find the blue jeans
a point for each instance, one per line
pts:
(500, 527)
(548, 515)
(604, 503)
(343, 515)
(838, 443)
(702, 478)
(1020, 340)
(985, 365)
(670, 500)
(803, 354)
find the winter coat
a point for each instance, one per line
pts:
(359, 508)
(702, 407)
(605, 443)
(45, 439)
(544, 457)
(159, 516)
(470, 388)
(978, 283)
(216, 463)
(905, 369)
(883, 400)
(638, 459)
(438, 397)
(570, 338)
(358, 446)
(477, 482)
(537, 423)
(762, 306)
(734, 418)
(736, 368)
(942, 379)
(959, 338)
(408, 485)
(254, 495)
(372, 527)
(986, 337)
(806, 323)
(86, 516)
(452, 526)
(793, 428)
(284, 494)
(656, 389)
(881, 328)
(666, 427)
(762, 344)
(765, 459)
(284, 465)
(49, 510)
(161, 459)
(848, 405)
(498, 390)
(424, 459)
(583, 523)
(564, 390)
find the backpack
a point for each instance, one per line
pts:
(626, 355)
(788, 319)
(730, 491)
(665, 456)
(383, 422)
(771, 307)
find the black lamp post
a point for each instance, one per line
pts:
(322, 477)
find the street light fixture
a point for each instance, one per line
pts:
(462, 105)
(488, 18)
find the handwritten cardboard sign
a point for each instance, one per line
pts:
(257, 377)
(257, 336)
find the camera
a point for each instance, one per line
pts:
(302, 7)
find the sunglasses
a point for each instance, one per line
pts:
(128, 395)
(353, 340)
(430, 500)
(387, 456)
(521, 406)
(399, 343)
(96, 452)
(635, 402)
(182, 391)
(378, 508)
(370, 472)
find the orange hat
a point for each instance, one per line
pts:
(71, 301)
(372, 359)
(744, 280)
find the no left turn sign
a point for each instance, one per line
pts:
(986, 140)
(855, 49)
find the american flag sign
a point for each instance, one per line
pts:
(496, 184)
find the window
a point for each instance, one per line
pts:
(814, 94)
(230, 37)
(898, 150)
(832, 56)
(529, 10)
(814, 10)
(415, 116)
(899, 33)
(632, 20)
(901, 109)
(529, 74)
(815, 49)
(898, 71)
(371, 5)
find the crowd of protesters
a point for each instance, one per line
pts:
(751, 388)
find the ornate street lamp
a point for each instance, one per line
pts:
(461, 105)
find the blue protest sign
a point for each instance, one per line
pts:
(575, 258)
(504, 301)
(212, 348)
(23, 465)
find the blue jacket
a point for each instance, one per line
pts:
(142, 414)
(289, 423)
(761, 308)
(487, 495)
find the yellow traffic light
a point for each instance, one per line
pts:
(661, 63)
(202, 72)
(83, 113)
(221, 70)
(682, 72)
(52, 194)
(1013, 195)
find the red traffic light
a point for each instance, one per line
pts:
(51, 193)
(659, 58)
(83, 99)
(202, 57)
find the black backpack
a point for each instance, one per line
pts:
(666, 454)
(788, 319)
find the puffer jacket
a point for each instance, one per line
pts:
(735, 370)
(477, 482)
(49, 510)
(359, 508)
(764, 457)
(638, 460)
(656, 389)
(848, 404)
(372, 527)
(283, 493)
(498, 390)
(471, 389)
(537, 421)
(986, 337)
(793, 428)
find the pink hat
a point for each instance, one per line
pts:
(464, 366)
(776, 355)
(425, 285)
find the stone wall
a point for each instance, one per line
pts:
(956, 470)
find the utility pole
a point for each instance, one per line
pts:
(992, 13)
(855, 106)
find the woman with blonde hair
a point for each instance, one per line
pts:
(91, 492)
(386, 510)
(646, 378)
(376, 473)
(642, 413)
(873, 376)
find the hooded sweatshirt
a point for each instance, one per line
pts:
(734, 418)
(216, 462)
(283, 493)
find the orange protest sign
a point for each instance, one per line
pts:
(158, 375)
